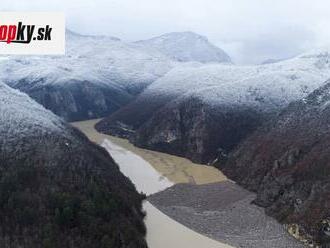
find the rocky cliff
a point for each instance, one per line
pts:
(200, 111)
(78, 99)
(197, 130)
(287, 163)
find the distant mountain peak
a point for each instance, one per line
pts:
(271, 61)
(72, 34)
(184, 34)
(187, 46)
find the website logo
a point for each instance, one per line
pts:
(36, 33)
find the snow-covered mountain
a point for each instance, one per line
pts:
(216, 93)
(121, 63)
(273, 85)
(50, 173)
(99, 74)
(96, 76)
(187, 46)
(16, 107)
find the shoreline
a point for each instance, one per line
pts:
(162, 230)
(174, 168)
(202, 202)
(223, 212)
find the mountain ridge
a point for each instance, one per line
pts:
(226, 90)
(57, 188)
(187, 46)
(97, 75)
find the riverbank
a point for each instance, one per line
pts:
(202, 209)
(223, 211)
(162, 231)
(175, 169)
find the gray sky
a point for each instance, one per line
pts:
(250, 31)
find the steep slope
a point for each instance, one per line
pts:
(97, 75)
(198, 111)
(187, 46)
(57, 188)
(194, 129)
(287, 163)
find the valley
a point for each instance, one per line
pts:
(162, 230)
(191, 205)
(226, 155)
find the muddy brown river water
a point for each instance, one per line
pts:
(176, 169)
(152, 172)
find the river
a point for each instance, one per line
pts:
(152, 172)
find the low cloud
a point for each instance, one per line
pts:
(250, 31)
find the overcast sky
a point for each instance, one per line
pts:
(250, 31)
